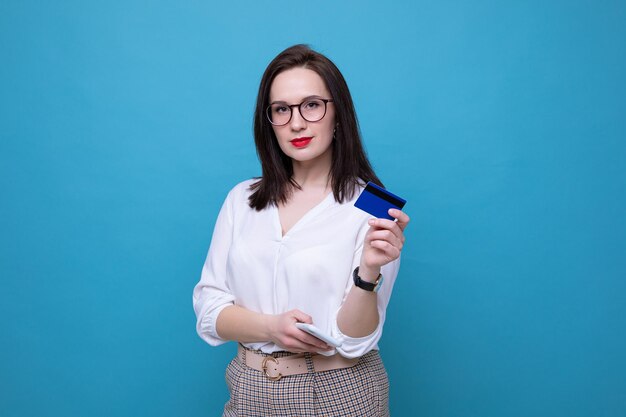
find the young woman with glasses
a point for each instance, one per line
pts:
(290, 247)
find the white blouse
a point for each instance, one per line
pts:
(251, 264)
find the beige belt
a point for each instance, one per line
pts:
(276, 368)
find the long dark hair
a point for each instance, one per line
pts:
(349, 162)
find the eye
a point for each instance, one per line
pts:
(312, 104)
(278, 109)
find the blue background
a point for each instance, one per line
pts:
(123, 125)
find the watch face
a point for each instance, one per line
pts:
(379, 282)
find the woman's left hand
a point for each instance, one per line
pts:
(383, 241)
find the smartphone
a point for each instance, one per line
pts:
(314, 331)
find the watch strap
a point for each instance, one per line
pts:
(365, 285)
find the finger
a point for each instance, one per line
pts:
(309, 349)
(390, 225)
(401, 217)
(387, 236)
(389, 251)
(299, 347)
(301, 341)
(302, 317)
(310, 340)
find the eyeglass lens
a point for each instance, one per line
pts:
(311, 110)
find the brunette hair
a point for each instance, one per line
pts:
(349, 163)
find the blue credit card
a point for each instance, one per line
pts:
(377, 201)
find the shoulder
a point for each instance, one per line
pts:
(350, 213)
(238, 196)
(242, 189)
(355, 191)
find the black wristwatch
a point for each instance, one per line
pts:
(367, 286)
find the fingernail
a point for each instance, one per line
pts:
(371, 222)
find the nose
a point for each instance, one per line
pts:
(297, 122)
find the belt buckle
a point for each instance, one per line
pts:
(264, 367)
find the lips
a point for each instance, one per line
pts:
(301, 142)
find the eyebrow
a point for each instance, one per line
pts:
(303, 100)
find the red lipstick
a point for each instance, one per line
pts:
(301, 142)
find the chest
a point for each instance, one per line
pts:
(290, 213)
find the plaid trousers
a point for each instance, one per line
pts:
(362, 390)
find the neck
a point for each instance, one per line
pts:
(314, 173)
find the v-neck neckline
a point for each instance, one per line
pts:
(302, 220)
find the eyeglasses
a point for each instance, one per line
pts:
(312, 110)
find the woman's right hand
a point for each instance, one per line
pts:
(284, 333)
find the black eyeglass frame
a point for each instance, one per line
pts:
(291, 106)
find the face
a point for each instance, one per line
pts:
(301, 140)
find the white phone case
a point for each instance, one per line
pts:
(312, 330)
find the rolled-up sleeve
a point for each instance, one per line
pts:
(211, 295)
(353, 347)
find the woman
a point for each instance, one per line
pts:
(286, 248)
